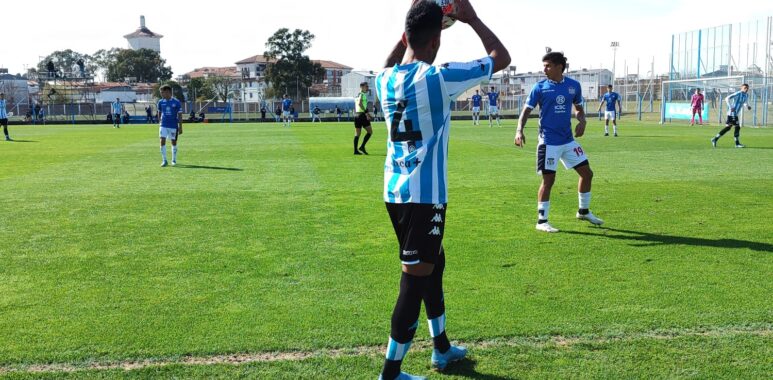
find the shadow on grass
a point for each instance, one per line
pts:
(466, 368)
(22, 141)
(646, 239)
(183, 166)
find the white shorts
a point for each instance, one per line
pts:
(167, 133)
(570, 154)
(475, 109)
(493, 110)
(610, 115)
(285, 114)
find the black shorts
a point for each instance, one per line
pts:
(732, 120)
(117, 118)
(361, 121)
(4, 122)
(419, 228)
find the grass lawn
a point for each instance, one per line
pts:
(274, 245)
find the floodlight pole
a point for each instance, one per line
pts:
(614, 45)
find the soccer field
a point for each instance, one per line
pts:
(268, 253)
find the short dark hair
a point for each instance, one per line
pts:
(363, 84)
(423, 23)
(609, 86)
(556, 58)
(745, 85)
(165, 87)
(698, 89)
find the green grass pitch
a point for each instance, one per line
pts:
(271, 247)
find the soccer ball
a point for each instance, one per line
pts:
(449, 9)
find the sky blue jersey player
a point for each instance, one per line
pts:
(416, 98)
(117, 110)
(555, 97)
(735, 105)
(4, 116)
(477, 102)
(170, 112)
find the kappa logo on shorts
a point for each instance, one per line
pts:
(437, 219)
(435, 232)
(410, 253)
(551, 161)
(439, 207)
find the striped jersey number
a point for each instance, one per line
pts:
(409, 135)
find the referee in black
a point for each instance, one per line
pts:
(362, 120)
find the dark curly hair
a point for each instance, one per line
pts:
(423, 22)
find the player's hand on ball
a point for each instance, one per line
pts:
(520, 139)
(465, 12)
(580, 129)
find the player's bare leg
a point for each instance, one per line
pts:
(543, 202)
(584, 194)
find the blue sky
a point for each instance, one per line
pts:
(360, 33)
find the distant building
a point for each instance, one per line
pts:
(107, 92)
(16, 89)
(350, 84)
(143, 38)
(208, 72)
(331, 85)
(253, 77)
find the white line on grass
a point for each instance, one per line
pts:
(546, 341)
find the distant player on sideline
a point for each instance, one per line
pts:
(315, 114)
(416, 98)
(697, 106)
(117, 108)
(4, 116)
(477, 101)
(612, 99)
(735, 104)
(555, 97)
(362, 120)
(493, 107)
(170, 112)
(287, 106)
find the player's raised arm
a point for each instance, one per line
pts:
(494, 47)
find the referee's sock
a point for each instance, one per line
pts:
(365, 140)
(405, 320)
(356, 142)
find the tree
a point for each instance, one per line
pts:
(291, 70)
(223, 86)
(144, 65)
(177, 90)
(100, 61)
(199, 89)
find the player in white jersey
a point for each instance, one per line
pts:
(117, 108)
(555, 97)
(4, 116)
(416, 98)
(735, 105)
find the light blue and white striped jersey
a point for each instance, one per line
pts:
(117, 108)
(736, 102)
(3, 112)
(416, 99)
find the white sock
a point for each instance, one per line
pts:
(606, 128)
(584, 200)
(615, 128)
(543, 209)
(163, 152)
(174, 152)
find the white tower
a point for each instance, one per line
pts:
(143, 38)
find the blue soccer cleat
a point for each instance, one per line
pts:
(405, 376)
(454, 354)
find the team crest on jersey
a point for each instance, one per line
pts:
(560, 99)
(572, 91)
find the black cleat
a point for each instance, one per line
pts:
(362, 149)
(356, 153)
